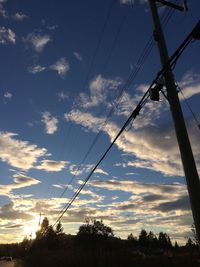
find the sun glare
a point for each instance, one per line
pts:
(30, 229)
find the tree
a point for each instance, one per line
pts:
(143, 239)
(164, 240)
(131, 239)
(96, 228)
(59, 229)
(152, 239)
(189, 243)
(176, 246)
(43, 229)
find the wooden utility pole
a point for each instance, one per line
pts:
(189, 166)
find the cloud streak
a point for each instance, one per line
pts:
(17, 153)
(37, 41)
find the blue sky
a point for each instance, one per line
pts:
(63, 64)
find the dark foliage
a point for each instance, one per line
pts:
(95, 246)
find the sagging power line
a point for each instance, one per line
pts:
(138, 67)
(134, 113)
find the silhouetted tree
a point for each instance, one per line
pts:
(131, 240)
(189, 244)
(152, 239)
(43, 229)
(59, 229)
(164, 240)
(130, 237)
(96, 228)
(143, 238)
(176, 246)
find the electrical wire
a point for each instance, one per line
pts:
(130, 119)
(138, 66)
(189, 107)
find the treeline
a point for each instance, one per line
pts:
(96, 245)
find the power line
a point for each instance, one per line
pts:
(189, 107)
(131, 118)
(138, 66)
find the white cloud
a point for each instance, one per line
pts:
(78, 56)
(3, 12)
(62, 96)
(101, 171)
(17, 153)
(127, 2)
(85, 119)
(21, 180)
(61, 67)
(190, 84)
(7, 36)
(36, 69)
(100, 90)
(50, 122)
(138, 188)
(79, 170)
(51, 165)
(131, 2)
(8, 95)
(153, 147)
(37, 41)
(19, 16)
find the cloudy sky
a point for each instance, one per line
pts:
(63, 66)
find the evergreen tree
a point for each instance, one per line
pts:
(143, 238)
(164, 240)
(189, 243)
(176, 246)
(59, 229)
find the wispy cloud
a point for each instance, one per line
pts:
(85, 119)
(62, 96)
(153, 147)
(61, 67)
(78, 56)
(17, 153)
(21, 180)
(76, 170)
(127, 2)
(50, 122)
(37, 41)
(8, 212)
(100, 90)
(36, 69)
(51, 165)
(131, 2)
(101, 171)
(7, 36)
(8, 95)
(3, 12)
(141, 188)
(19, 16)
(190, 84)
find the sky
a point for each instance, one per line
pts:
(64, 65)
